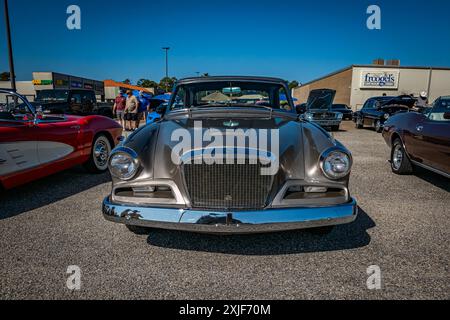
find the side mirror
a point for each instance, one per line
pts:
(447, 115)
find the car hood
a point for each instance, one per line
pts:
(300, 145)
(321, 99)
(394, 109)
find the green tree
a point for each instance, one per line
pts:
(127, 81)
(5, 76)
(146, 83)
(167, 83)
(293, 84)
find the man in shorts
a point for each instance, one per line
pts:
(119, 108)
(131, 112)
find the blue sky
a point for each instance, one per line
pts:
(298, 39)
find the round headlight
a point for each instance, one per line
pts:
(123, 165)
(386, 116)
(340, 116)
(309, 116)
(336, 164)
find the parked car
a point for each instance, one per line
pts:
(420, 139)
(227, 167)
(344, 109)
(319, 109)
(376, 111)
(156, 115)
(34, 145)
(75, 101)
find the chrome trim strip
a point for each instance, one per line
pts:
(263, 221)
(431, 169)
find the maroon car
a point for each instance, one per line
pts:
(420, 139)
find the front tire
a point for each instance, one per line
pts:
(359, 124)
(378, 126)
(335, 128)
(400, 163)
(101, 149)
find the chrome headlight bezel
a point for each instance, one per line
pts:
(327, 155)
(134, 160)
(386, 116)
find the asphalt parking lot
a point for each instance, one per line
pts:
(403, 227)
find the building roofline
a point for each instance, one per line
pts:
(372, 66)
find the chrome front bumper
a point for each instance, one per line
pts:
(240, 222)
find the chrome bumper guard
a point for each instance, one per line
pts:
(241, 222)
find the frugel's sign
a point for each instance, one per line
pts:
(380, 79)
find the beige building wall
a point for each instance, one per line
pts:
(440, 84)
(341, 82)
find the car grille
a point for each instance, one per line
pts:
(323, 116)
(227, 186)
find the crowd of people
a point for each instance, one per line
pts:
(131, 110)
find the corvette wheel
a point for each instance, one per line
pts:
(378, 127)
(400, 163)
(101, 149)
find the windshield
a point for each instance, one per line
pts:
(340, 106)
(231, 94)
(52, 96)
(13, 108)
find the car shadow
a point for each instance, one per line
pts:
(48, 190)
(342, 237)
(433, 178)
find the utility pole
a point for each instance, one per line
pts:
(10, 51)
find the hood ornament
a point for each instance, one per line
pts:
(231, 124)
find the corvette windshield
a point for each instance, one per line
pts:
(52, 96)
(231, 94)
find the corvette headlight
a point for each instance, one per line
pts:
(386, 116)
(335, 164)
(123, 164)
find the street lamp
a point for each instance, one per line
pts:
(167, 60)
(10, 51)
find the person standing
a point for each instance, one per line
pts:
(131, 112)
(119, 108)
(143, 106)
(422, 101)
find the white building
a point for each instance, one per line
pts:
(357, 83)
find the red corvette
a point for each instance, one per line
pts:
(33, 146)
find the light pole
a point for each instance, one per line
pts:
(10, 51)
(167, 60)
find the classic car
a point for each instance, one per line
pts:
(377, 110)
(226, 167)
(74, 101)
(319, 109)
(344, 109)
(34, 145)
(420, 139)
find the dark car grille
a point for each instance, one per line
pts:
(227, 187)
(323, 116)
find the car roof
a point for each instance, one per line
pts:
(231, 78)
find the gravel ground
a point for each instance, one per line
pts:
(403, 228)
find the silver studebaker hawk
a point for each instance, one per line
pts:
(230, 155)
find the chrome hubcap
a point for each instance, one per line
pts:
(101, 153)
(397, 157)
